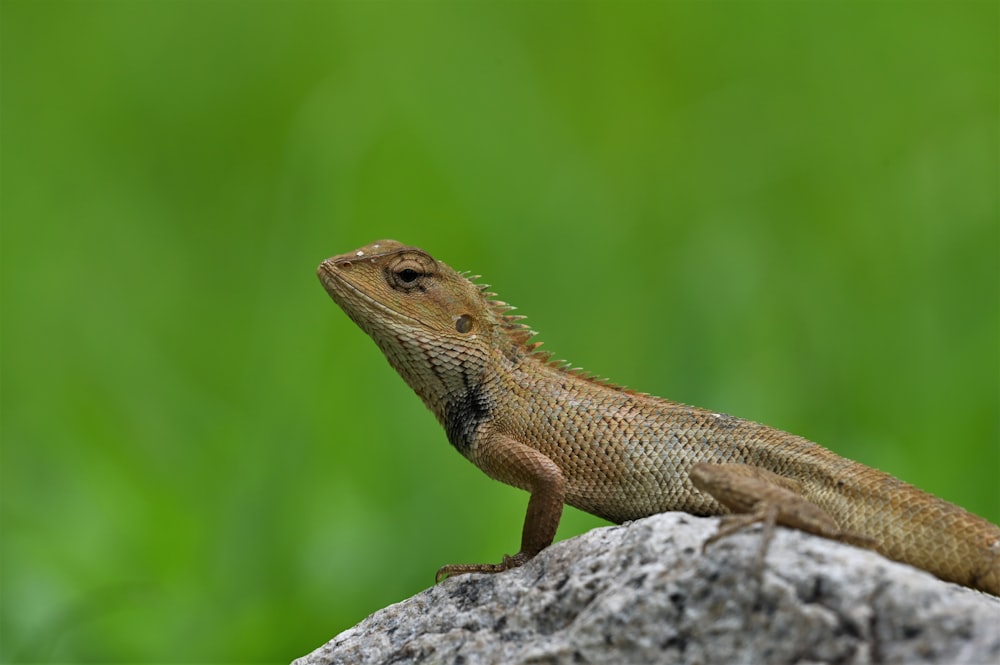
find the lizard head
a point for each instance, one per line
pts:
(435, 325)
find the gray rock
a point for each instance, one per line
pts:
(643, 593)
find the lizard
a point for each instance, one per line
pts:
(567, 437)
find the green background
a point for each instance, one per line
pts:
(787, 211)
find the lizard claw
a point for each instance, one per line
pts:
(463, 568)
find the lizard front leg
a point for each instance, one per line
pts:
(514, 463)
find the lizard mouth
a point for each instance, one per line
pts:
(349, 296)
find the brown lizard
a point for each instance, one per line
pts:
(568, 438)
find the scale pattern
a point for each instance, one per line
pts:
(566, 437)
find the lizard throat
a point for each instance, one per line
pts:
(463, 414)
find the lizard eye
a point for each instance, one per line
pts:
(407, 273)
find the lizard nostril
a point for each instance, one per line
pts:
(345, 265)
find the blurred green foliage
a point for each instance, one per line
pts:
(785, 211)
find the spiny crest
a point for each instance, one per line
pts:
(521, 334)
(512, 324)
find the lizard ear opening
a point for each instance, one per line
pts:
(463, 324)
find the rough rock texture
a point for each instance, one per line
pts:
(642, 593)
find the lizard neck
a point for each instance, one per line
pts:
(455, 381)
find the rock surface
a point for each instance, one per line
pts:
(643, 593)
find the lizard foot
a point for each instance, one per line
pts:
(462, 568)
(766, 514)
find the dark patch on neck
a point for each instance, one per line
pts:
(464, 414)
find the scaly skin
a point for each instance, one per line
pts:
(618, 454)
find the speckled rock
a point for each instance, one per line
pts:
(643, 593)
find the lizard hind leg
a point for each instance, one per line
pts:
(757, 495)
